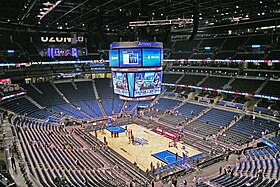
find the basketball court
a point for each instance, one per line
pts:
(151, 147)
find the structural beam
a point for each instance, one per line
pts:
(160, 22)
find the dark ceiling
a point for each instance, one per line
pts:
(114, 15)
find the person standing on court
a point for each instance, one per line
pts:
(151, 166)
(95, 133)
(132, 139)
(13, 163)
(184, 153)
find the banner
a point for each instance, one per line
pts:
(204, 99)
(231, 104)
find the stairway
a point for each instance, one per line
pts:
(199, 115)
(34, 102)
(168, 66)
(158, 97)
(101, 108)
(36, 88)
(229, 83)
(134, 108)
(95, 90)
(59, 92)
(67, 101)
(98, 98)
(202, 81)
(180, 104)
(250, 104)
(233, 122)
(180, 78)
(74, 85)
(262, 86)
(124, 104)
(19, 177)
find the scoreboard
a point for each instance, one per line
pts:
(136, 69)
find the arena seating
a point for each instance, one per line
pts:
(172, 119)
(276, 139)
(64, 54)
(208, 94)
(265, 106)
(249, 55)
(246, 85)
(52, 151)
(202, 55)
(228, 181)
(241, 99)
(232, 44)
(187, 109)
(228, 97)
(276, 106)
(112, 105)
(49, 97)
(180, 55)
(218, 117)
(213, 43)
(224, 54)
(272, 88)
(247, 126)
(154, 113)
(130, 105)
(91, 107)
(169, 90)
(189, 79)
(263, 159)
(215, 82)
(24, 42)
(264, 103)
(166, 104)
(211, 122)
(82, 97)
(104, 88)
(243, 131)
(273, 54)
(83, 92)
(24, 107)
(170, 78)
(234, 137)
(52, 100)
(186, 45)
(262, 40)
(201, 69)
(107, 96)
(202, 128)
(68, 110)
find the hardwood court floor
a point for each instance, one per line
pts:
(142, 155)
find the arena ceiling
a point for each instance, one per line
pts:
(114, 15)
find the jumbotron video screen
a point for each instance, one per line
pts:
(147, 83)
(137, 84)
(120, 83)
